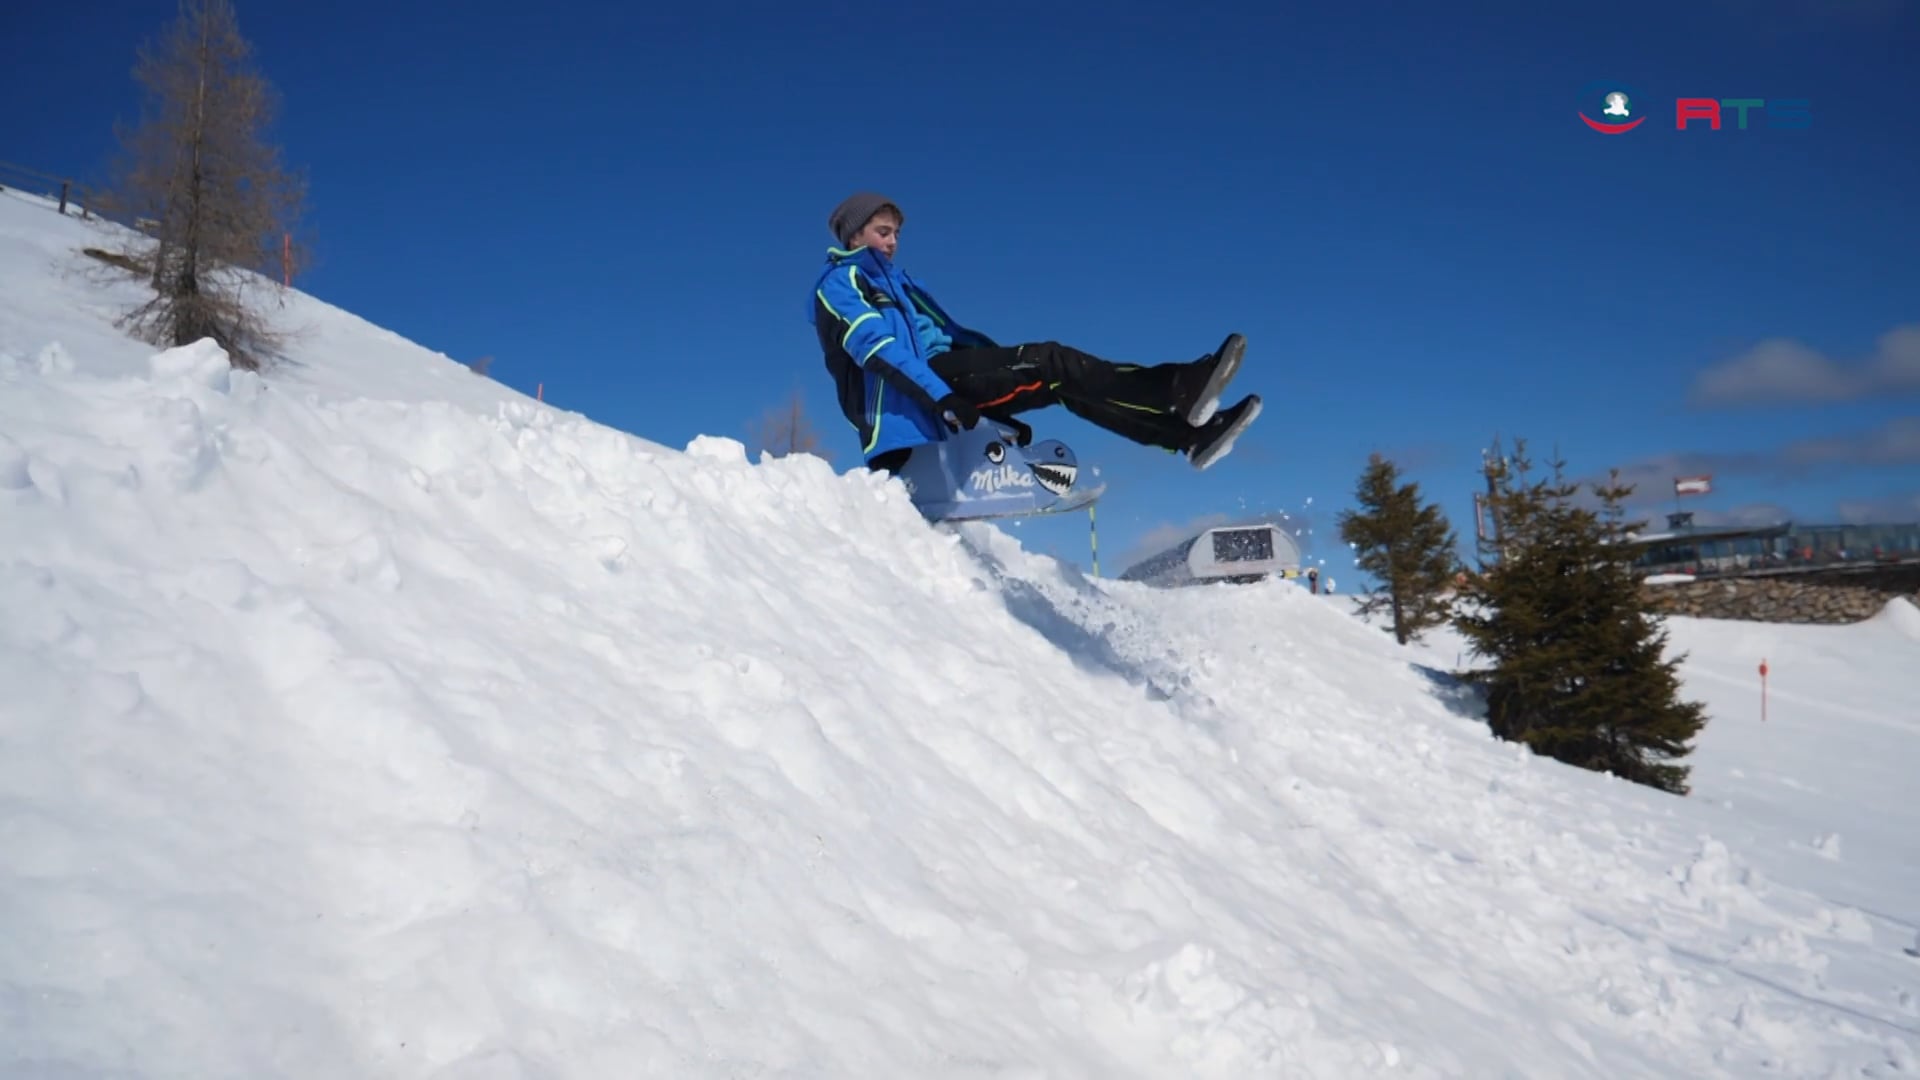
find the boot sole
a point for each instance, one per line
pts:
(1208, 402)
(1224, 444)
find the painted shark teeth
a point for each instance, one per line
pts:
(1055, 478)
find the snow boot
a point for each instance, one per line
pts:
(1212, 372)
(1213, 441)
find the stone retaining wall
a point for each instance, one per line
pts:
(1780, 600)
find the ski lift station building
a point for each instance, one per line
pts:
(1233, 553)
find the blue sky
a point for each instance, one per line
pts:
(1397, 204)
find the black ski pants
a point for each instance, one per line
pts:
(1135, 401)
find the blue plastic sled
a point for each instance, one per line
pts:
(986, 473)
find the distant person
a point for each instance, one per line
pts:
(908, 374)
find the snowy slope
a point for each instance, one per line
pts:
(369, 719)
(1821, 790)
(1812, 805)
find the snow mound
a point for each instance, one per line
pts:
(1900, 615)
(367, 718)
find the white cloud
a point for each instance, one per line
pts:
(1892, 509)
(1895, 443)
(1779, 370)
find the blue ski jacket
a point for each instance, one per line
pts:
(869, 315)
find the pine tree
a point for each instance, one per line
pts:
(1407, 547)
(198, 170)
(1578, 669)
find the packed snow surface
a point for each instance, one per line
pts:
(364, 717)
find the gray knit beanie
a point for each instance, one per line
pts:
(855, 211)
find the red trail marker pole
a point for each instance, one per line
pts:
(1763, 690)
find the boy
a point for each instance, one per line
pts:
(908, 374)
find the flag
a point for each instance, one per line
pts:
(1692, 485)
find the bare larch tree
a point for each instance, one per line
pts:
(787, 429)
(217, 202)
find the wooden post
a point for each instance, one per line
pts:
(63, 196)
(286, 259)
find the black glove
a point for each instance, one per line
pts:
(958, 413)
(1022, 434)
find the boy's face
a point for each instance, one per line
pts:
(881, 233)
